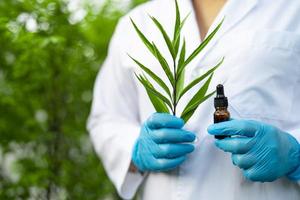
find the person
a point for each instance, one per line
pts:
(163, 158)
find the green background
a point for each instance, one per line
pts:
(50, 53)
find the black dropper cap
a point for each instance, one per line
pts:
(220, 99)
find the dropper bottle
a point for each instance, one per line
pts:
(221, 104)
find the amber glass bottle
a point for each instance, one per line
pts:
(221, 104)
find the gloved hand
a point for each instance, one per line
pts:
(159, 146)
(262, 151)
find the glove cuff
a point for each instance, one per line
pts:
(136, 158)
(295, 174)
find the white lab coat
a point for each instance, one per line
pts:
(260, 40)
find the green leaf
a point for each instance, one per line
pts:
(176, 39)
(178, 29)
(164, 64)
(183, 21)
(143, 38)
(179, 85)
(181, 58)
(180, 79)
(153, 76)
(177, 23)
(158, 94)
(176, 46)
(149, 87)
(186, 116)
(199, 79)
(198, 96)
(202, 45)
(158, 104)
(165, 35)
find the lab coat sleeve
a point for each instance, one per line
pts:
(114, 120)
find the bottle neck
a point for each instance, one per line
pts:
(221, 108)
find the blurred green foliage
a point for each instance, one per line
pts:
(50, 53)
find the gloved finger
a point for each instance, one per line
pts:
(246, 128)
(257, 173)
(164, 164)
(164, 120)
(237, 145)
(168, 135)
(172, 150)
(243, 161)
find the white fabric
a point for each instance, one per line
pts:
(260, 40)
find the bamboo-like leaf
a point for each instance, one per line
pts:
(199, 95)
(165, 35)
(153, 76)
(179, 85)
(177, 22)
(158, 104)
(158, 94)
(176, 36)
(184, 20)
(202, 45)
(176, 46)
(176, 39)
(180, 79)
(181, 57)
(148, 86)
(146, 42)
(199, 79)
(164, 64)
(186, 116)
(176, 28)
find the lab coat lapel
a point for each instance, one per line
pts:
(233, 11)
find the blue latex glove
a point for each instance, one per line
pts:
(159, 146)
(262, 151)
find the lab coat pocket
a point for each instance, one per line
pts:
(265, 74)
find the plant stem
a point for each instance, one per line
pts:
(175, 87)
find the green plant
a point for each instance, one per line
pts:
(167, 103)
